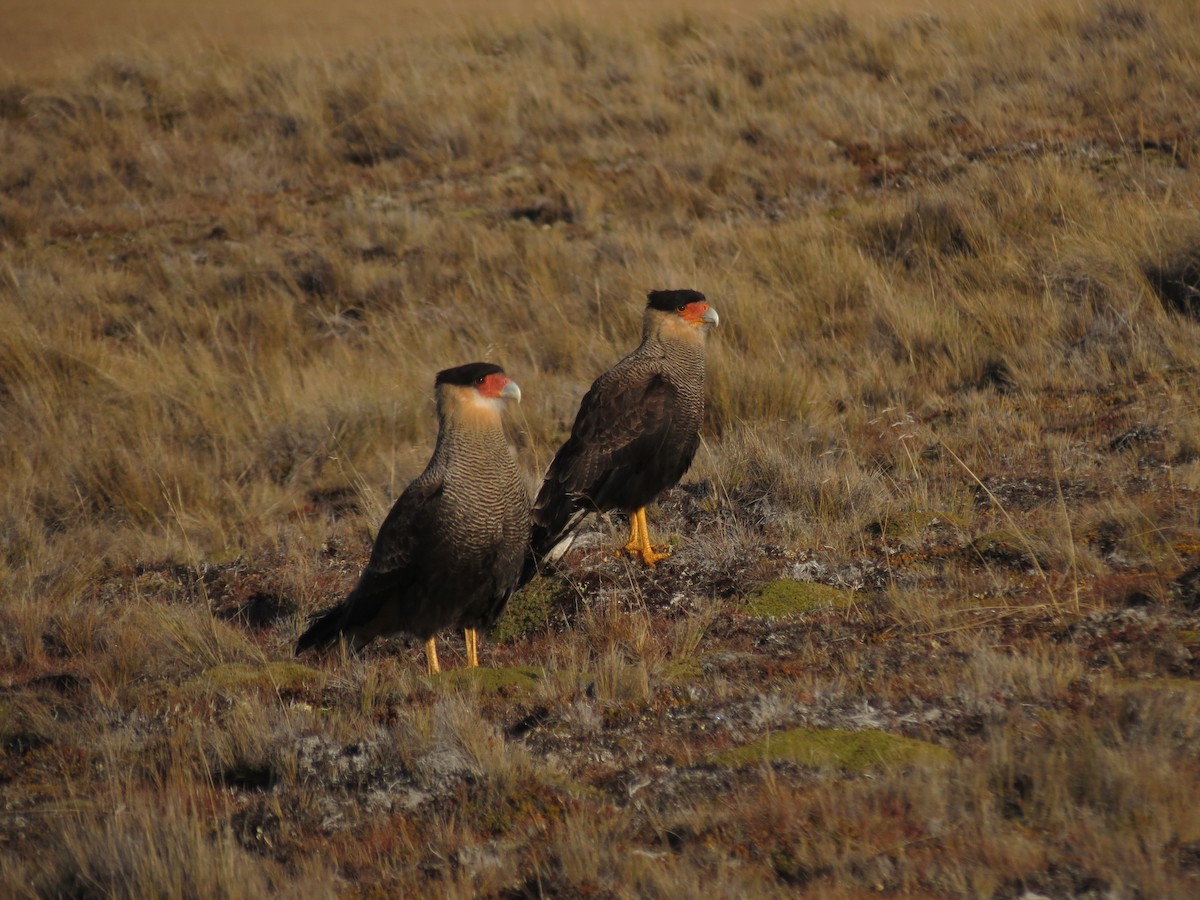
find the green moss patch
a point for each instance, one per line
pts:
(273, 676)
(850, 751)
(686, 669)
(530, 610)
(786, 597)
(493, 681)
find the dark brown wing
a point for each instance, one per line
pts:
(410, 527)
(397, 572)
(614, 458)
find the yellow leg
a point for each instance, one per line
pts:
(471, 636)
(649, 555)
(431, 656)
(634, 546)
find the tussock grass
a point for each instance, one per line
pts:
(955, 258)
(171, 854)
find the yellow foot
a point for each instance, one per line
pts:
(651, 557)
(639, 540)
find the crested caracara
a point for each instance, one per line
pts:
(636, 431)
(449, 554)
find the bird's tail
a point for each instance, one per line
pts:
(554, 520)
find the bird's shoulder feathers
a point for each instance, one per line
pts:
(408, 525)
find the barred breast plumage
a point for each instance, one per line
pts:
(449, 554)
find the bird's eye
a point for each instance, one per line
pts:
(481, 379)
(681, 307)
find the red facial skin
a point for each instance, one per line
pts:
(493, 384)
(693, 313)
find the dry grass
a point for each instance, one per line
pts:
(956, 258)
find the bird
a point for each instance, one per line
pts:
(636, 432)
(450, 552)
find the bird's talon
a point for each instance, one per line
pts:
(649, 556)
(652, 559)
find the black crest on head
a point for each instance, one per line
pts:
(669, 301)
(467, 375)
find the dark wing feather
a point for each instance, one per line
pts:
(621, 427)
(398, 561)
(407, 531)
(621, 439)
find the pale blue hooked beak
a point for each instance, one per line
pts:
(511, 392)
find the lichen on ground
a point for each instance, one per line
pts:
(851, 751)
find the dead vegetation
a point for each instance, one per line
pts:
(947, 491)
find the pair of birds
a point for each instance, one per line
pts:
(462, 537)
